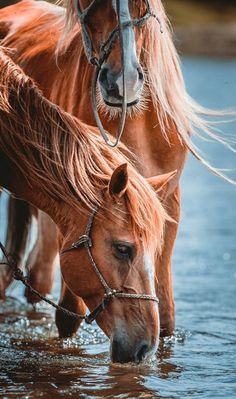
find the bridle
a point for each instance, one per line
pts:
(86, 241)
(105, 50)
(110, 293)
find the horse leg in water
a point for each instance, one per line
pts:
(19, 221)
(67, 326)
(41, 261)
(163, 267)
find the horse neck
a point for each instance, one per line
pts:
(26, 128)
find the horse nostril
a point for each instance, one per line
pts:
(113, 91)
(108, 83)
(119, 352)
(141, 352)
(140, 74)
(103, 75)
(123, 352)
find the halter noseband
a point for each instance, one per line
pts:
(105, 51)
(110, 293)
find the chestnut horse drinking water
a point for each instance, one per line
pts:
(109, 211)
(51, 47)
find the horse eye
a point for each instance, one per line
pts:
(123, 251)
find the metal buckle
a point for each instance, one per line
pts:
(99, 308)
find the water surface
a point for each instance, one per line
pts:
(199, 360)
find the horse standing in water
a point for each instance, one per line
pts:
(126, 228)
(161, 116)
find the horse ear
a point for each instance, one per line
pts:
(118, 182)
(159, 182)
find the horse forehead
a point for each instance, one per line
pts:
(115, 213)
(116, 224)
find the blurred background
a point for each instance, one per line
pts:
(206, 27)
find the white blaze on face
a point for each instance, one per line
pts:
(150, 270)
(133, 84)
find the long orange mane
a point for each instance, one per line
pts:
(164, 79)
(67, 158)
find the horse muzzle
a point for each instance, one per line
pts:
(111, 86)
(124, 351)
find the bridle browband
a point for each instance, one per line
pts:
(110, 293)
(105, 51)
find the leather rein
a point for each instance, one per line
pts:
(105, 51)
(109, 293)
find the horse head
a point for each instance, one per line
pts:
(125, 260)
(103, 40)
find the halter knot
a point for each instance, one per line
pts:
(110, 293)
(84, 239)
(19, 275)
(95, 61)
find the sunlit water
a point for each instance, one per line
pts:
(199, 361)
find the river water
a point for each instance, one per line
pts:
(199, 361)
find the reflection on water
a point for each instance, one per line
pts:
(199, 360)
(33, 359)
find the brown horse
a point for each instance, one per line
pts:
(68, 182)
(49, 47)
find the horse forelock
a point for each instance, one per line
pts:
(68, 158)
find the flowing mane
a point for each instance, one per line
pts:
(166, 86)
(65, 156)
(164, 79)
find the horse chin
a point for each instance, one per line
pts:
(112, 108)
